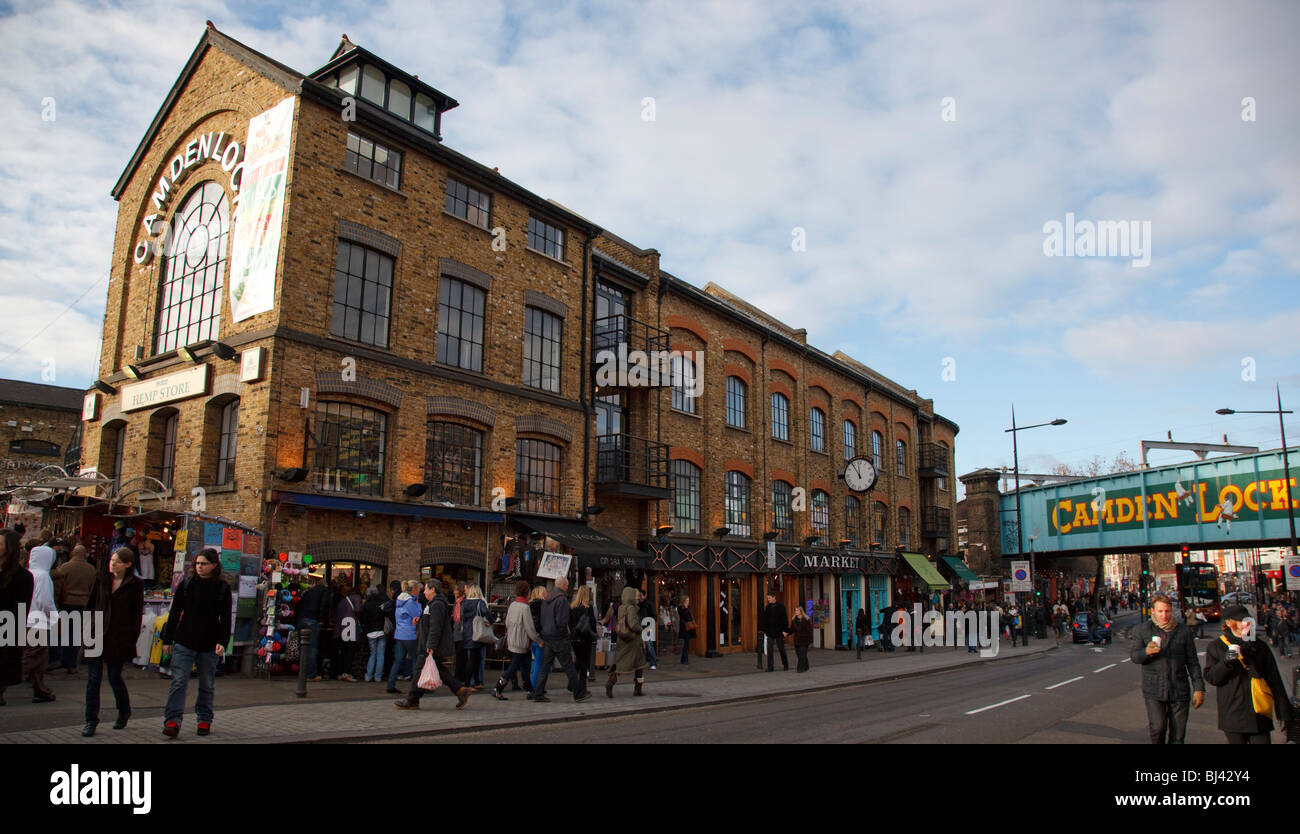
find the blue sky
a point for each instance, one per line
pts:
(924, 234)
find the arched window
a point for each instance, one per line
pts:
(537, 475)
(879, 517)
(853, 520)
(228, 443)
(780, 417)
(735, 402)
(189, 306)
(817, 429)
(161, 447)
(350, 448)
(850, 440)
(684, 390)
(782, 523)
(878, 451)
(900, 450)
(820, 517)
(453, 463)
(737, 504)
(686, 497)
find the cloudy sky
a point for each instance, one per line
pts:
(920, 149)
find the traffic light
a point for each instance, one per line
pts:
(1187, 554)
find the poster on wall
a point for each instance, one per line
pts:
(255, 242)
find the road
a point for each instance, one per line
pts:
(1078, 695)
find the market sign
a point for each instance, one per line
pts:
(149, 393)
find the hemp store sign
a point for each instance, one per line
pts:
(164, 389)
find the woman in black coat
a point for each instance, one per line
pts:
(119, 596)
(1230, 664)
(16, 586)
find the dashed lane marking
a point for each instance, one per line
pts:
(1063, 683)
(999, 704)
(1104, 668)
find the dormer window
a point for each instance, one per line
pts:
(356, 72)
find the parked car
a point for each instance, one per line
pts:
(1239, 598)
(1081, 628)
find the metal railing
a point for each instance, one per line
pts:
(625, 459)
(936, 522)
(932, 460)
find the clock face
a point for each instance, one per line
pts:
(860, 474)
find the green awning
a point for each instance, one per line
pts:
(959, 569)
(926, 571)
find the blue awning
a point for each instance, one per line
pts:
(352, 503)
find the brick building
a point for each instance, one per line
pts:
(40, 426)
(417, 388)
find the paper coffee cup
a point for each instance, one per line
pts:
(1156, 640)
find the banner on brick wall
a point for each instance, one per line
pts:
(255, 243)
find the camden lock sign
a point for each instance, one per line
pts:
(181, 385)
(213, 145)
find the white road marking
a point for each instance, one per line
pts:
(1104, 668)
(1063, 683)
(1125, 660)
(999, 704)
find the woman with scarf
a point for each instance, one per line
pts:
(629, 652)
(16, 585)
(801, 632)
(119, 595)
(1247, 678)
(41, 616)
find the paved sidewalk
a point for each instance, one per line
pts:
(251, 710)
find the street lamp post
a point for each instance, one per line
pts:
(1020, 534)
(1286, 465)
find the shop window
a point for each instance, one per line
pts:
(350, 451)
(820, 517)
(853, 520)
(190, 296)
(780, 417)
(542, 332)
(545, 238)
(468, 203)
(537, 475)
(731, 608)
(817, 429)
(782, 520)
(373, 161)
(460, 324)
(737, 504)
(686, 497)
(363, 288)
(453, 463)
(736, 402)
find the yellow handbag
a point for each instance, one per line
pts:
(1261, 696)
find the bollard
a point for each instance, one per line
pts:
(304, 641)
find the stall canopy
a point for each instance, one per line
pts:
(929, 575)
(959, 569)
(593, 548)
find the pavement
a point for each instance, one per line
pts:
(253, 710)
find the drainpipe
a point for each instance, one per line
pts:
(586, 373)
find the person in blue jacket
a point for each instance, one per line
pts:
(404, 635)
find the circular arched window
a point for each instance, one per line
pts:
(189, 308)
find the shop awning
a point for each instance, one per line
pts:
(959, 569)
(929, 575)
(370, 505)
(593, 548)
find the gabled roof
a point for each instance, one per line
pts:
(17, 392)
(289, 78)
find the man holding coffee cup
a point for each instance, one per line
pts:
(1171, 675)
(1250, 688)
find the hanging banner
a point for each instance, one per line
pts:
(255, 243)
(1020, 580)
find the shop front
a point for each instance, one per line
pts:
(962, 578)
(921, 582)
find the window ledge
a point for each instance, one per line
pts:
(460, 219)
(346, 342)
(382, 185)
(782, 441)
(821, 452)
(551, 258)
(217, 489)
(738, 428)
(696, 415)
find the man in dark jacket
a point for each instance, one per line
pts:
(435, 637)
(775, 623)
(1166, 651)
(1231, 662)
(555, 639)
(311, 613)
(646, 611)
(196, 634)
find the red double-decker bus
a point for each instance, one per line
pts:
(1198, 586)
